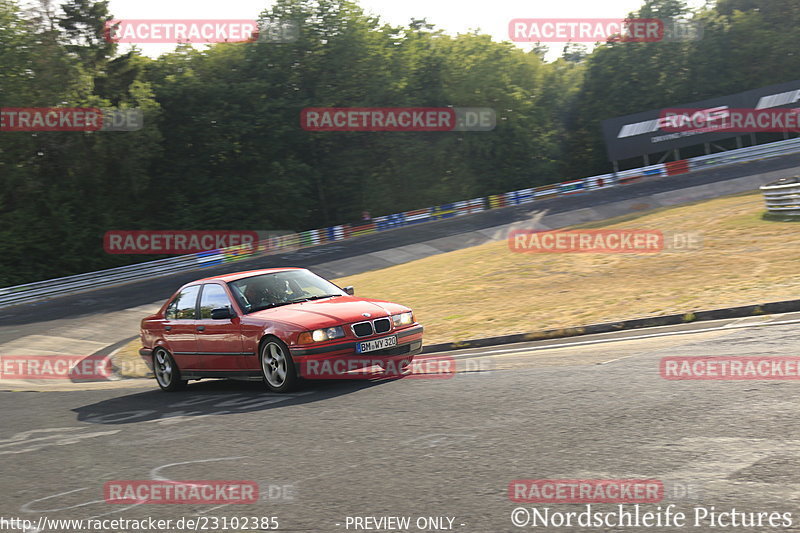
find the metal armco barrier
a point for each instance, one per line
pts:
(783, 196)
(42, 290)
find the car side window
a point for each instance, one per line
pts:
(213, 297)
(183, 306)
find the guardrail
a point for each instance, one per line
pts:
(743, 155)
(42, 290)
(783, 196)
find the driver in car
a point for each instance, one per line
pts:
(266, 291)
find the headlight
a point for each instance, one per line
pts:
(320, 335)
(403, 319)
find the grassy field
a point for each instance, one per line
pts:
(489, 290)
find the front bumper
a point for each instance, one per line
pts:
(338, 360)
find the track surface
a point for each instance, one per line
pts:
(589, 408)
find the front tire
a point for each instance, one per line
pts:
(277, 366)
(168, 375)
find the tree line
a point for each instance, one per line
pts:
(222, 146)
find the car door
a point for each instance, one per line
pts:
(219, 341)
(180, 320)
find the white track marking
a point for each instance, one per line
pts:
(620, 339)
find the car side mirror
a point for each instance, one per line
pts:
(349, 290)
(221, 313)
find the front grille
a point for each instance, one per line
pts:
(382, 325)
(362, 329)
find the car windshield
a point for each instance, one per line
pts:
(282, 288)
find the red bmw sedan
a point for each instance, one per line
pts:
(277, 325)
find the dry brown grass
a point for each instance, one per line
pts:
(129, 363)
(488, 290)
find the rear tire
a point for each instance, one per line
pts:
(277, 365)
(168, 375)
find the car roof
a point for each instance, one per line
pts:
(233, 276)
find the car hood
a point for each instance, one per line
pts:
(331, 312)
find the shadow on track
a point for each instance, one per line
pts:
(213, 397)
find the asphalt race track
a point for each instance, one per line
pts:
(437, 450)
(588, 408)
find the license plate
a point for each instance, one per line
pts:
(376, 344)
